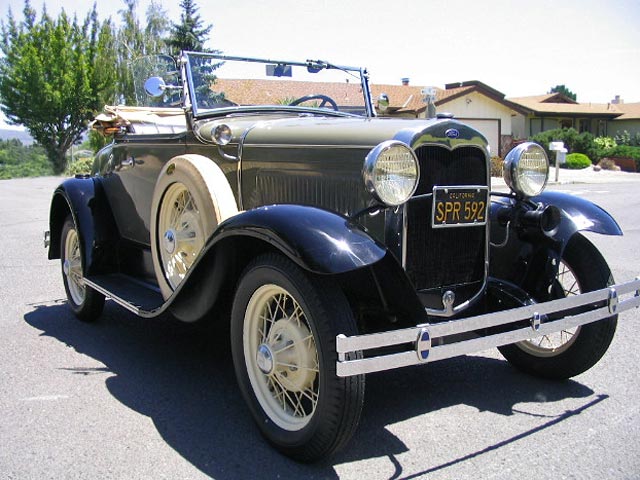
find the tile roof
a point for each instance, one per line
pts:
(274, 92)
(630, 111)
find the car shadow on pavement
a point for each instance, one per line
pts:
(181, 377)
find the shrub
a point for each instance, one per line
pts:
(80, 166)
(496, 166)
(576, 161)
(574, 142)
(628, 139)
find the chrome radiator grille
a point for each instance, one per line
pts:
(444, 256)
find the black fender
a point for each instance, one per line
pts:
(85, 200)
(527, 256)
(579, 215)
(319, 241)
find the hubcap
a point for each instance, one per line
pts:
(264, 358)
(169, 241)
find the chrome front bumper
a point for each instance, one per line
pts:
(428, 341)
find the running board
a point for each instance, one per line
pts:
(134, 295)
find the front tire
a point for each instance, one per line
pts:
(284, 324)
(569, 353)
(86, 303)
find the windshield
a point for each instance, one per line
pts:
(218, 83)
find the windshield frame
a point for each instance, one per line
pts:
(191, 103)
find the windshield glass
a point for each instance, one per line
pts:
(219, 82)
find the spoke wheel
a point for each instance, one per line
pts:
(566, 285)
(569, 352)
(281, 357)
(85, 302)
(283, 333)
(182, 233)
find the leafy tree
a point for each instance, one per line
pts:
(135, 43)
(564, 91)
(55, 75)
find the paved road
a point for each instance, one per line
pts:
(128, 398)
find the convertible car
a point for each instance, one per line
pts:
(341, 241)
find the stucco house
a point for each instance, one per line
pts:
(555, 110)
(472, 102)
(502, 120)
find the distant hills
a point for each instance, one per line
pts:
(22, 135)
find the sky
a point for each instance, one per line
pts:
(517, 47)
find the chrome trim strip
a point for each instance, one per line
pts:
(533, 313)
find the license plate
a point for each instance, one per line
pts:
(459, 206)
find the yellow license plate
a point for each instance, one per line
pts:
(459, 206)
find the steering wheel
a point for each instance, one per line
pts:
(316, 96)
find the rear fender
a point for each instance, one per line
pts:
(85, 200)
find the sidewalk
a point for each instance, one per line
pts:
(586, 175)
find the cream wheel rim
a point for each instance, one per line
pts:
(72, 267)
(281, 357)
(557, 342)
(180, 232)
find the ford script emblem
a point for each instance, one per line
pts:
(452, 133)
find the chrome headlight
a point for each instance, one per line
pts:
(391, 172)
(526, 169)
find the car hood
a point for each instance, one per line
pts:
(343, 132)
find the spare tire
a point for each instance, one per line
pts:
(191, 197)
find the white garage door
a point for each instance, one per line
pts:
(490, 128)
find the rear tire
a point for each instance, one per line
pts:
(86, 303)
(570, 352)
(283, 332)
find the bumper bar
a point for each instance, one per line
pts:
(427, 339)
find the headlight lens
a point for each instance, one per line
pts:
(391, 172)
(526, 169)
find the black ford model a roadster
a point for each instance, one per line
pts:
(343, 243)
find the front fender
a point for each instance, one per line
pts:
(318, 240)
(528, 257)
(579, 215)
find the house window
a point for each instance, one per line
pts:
(584, 125)
(565, 123)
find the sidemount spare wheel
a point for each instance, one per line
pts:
(86, 303)
(283, 330)
(568, 353)
(191, 197)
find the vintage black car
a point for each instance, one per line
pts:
(342, 242)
